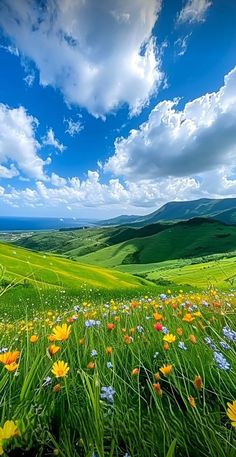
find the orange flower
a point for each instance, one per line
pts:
(179, 331)
(110, 326)
(166, 346)
(192, 402)
(188, 318)
(134, 304)
(9, 357)
(91, 365)
(128, 339)
(82, 341)
(157, 316)
(109, 350)
(11, 366)
(198, 382)
(51, 338)
(157, 388)
(34, 338)
(193, 339)
(166, 370)
(157, 376)
(53, 349)
(135, 371)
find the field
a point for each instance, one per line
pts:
(146, 377)
(97, 362)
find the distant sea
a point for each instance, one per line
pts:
(23, 224)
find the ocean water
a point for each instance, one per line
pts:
(10, 224)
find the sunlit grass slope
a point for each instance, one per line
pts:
(50, 271)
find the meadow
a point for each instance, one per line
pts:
(97, 362)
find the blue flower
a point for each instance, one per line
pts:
(156, 355)
(181, 345)
(225, 345)
(210, 342)
(109, 365)
(163, 296)
(165, 330)
(94, 353)
(108, 394)
(229, 334)
(221, 361)
(47, 381)
(92, 323)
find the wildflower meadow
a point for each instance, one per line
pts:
(151, 376)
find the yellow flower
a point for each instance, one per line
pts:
(34, 338)
(9, 430)
(169, 338)
(109, 350)
(192, 402)
(231, 412)
(61, 332)
(53, 349)
(9, 357)
(166, 369)
(11, 366)
(60, 369)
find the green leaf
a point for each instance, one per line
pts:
(171, 451)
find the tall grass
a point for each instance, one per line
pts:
(66, 416)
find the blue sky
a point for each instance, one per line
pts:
(105, 106)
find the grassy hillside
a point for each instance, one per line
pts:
(49, 271)
(195, 238)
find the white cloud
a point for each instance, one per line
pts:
(8, 173)
(73, 127)
(18, 144)
(172, 142)
(29, 79)
(50, 140)
(97, 53)
(57, 181)
(194, 11)
(181, 45)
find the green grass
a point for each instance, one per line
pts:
(216, 273)
(76, 422)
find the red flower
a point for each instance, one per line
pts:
(158, 326)
(110, 326)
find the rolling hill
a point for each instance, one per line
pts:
(194, 238)
(47, 271)
(183, 210)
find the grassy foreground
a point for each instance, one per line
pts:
(147, 377)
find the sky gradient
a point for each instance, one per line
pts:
(115, 107)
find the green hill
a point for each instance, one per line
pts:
(195, 238)
(48, 271)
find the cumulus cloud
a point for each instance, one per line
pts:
(72, 44)
(18, 145)
(194, 11)
(50, 140)
(188, 142)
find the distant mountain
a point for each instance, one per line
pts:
(221, 209)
